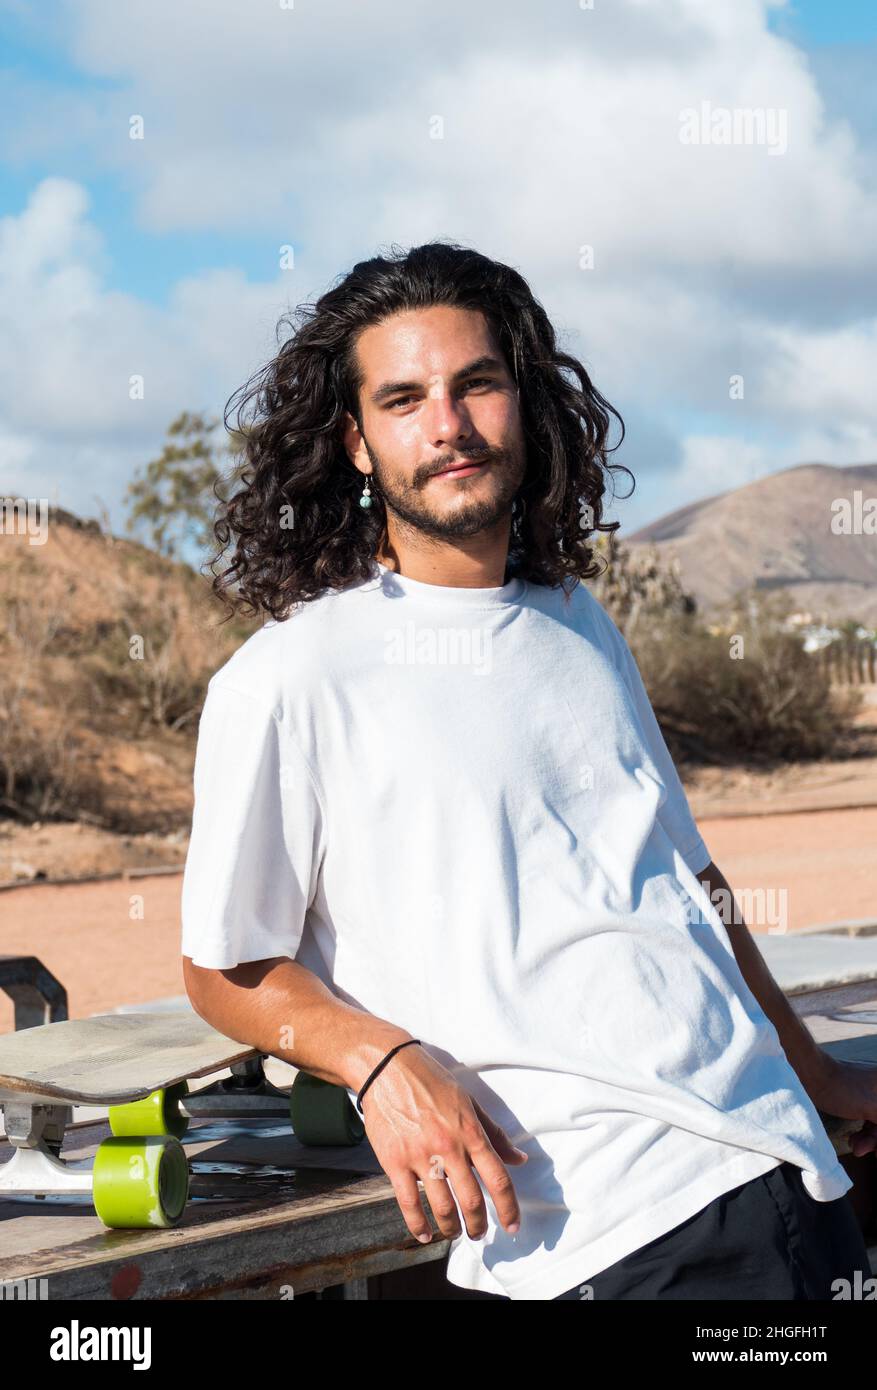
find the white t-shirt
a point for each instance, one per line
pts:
(456, 807)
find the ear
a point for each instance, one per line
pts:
(351, 437)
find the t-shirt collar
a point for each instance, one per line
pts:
(499, 597)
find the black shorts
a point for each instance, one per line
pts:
(766, 1239)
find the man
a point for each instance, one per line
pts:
(440, 854)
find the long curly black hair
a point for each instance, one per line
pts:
(295, 465)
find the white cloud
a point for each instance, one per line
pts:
(560, 125)
(69, 345)
(310, 126)
(811, 376)
(719, 463)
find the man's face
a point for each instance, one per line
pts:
(437, 390)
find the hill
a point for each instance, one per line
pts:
(105, 651)
(777, 533)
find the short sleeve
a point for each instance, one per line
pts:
(256, 843)
(675, 812)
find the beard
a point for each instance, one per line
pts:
(416, 506)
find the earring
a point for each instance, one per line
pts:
(366, 498)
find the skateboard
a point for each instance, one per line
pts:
(140, 1066)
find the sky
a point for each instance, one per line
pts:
(726, 306)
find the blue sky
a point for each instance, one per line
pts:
(308, 127)
(813, 23)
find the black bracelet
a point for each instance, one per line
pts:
(379, 1067)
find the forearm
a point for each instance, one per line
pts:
(811, 1063)
(281, 1008)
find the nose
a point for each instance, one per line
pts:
(446, 420)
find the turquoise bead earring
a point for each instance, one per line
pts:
(366, 498)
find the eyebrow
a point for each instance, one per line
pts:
(392, 388)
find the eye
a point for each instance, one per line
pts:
(473, 381)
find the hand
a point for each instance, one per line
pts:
(422, 1124)
(848, 1091)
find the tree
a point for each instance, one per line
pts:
(174, 498)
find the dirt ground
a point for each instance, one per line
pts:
(810, 830)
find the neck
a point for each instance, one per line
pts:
(486, 568)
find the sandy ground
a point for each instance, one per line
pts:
(826, 861)
(86, 936)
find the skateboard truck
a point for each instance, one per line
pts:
(37, 1132)
(245, 1094)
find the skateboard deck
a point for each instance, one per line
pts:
(139, 1067)
(113, 1059)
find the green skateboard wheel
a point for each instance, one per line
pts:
(140, 1182)
(321, 1113)
(157, 1113)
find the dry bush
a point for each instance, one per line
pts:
(154, 662)
(740, 688)
(42, 770)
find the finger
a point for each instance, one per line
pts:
(411, 1203)
(440, 1198)
(468, 1195)
(498, 1183)
(868, 1130)
(864, 1139)
(498, 1137)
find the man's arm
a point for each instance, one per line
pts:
(813, 1065)
(281, 1008)
(422, 1125)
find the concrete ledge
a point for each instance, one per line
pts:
(856, 926)
(169, 1004)
(801, 961)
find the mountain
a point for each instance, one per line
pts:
(777, 533)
